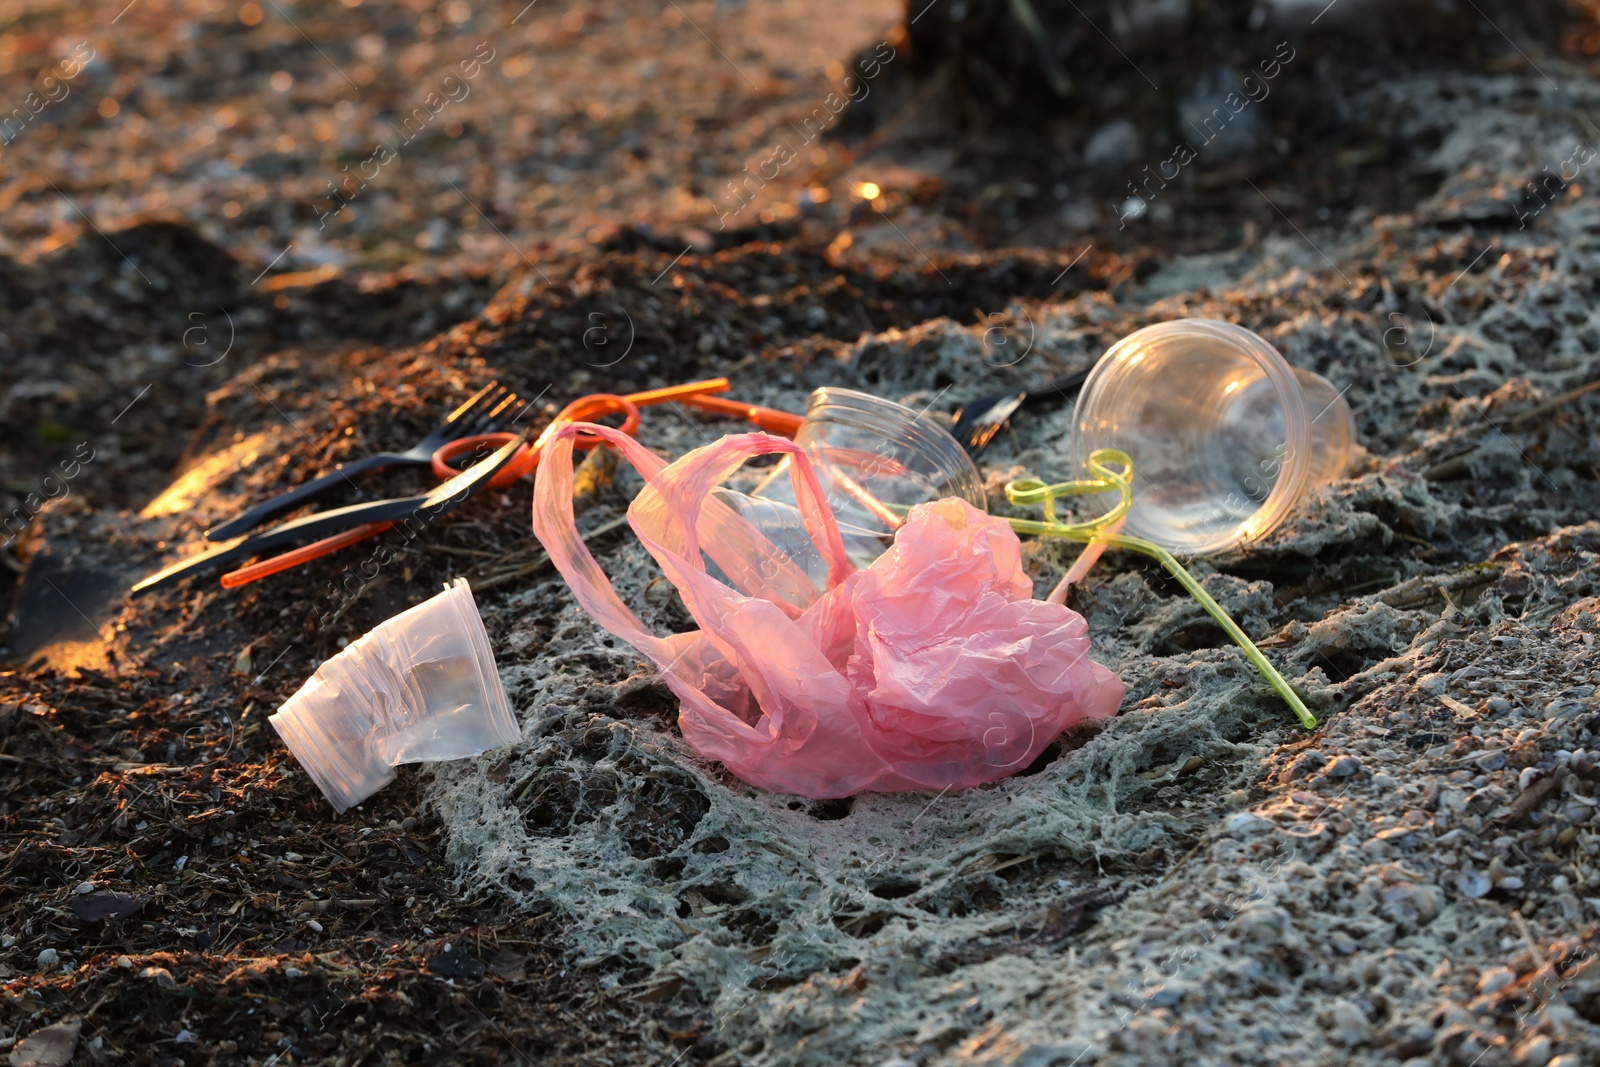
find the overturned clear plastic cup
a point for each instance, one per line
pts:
(876, 460)
(420, 686)
(1227, 438)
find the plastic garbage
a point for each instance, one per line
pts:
(1228, 438)
(1111, 473)
(420, 686)
(931, 668)
(876, 459)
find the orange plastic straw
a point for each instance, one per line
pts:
(769, 419)
(303, 554)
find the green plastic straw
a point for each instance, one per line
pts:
(1033, 491)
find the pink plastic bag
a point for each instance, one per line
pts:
(932, 668)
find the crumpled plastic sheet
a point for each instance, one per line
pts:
(932, 668)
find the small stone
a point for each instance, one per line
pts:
(48, 958)
(1385, 781)
(1496, 979)
(1247, 824)
(1303, 765)
(1164, 996)
(293, 972)
(1488, 762)
(125, 963)
(1472, 884)
(315, 926)
(1534, 1052)
(160, 975)
(1307, 838)
(1350, 1026)
(1112, 146)
(185, 1037)
(1344, 767)
(1511, 883)
(85, 887)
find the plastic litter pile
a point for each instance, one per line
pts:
(864, 624)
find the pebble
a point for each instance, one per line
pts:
(160, 975)
(1247, 824)
(85, 887)
(185, 1037)
(1385, 781)
(1112, 146)
(1164, 996)
(1496, 979)
(1308, 838)
(1350, 1026)
(1489, 761)
(1343, 767)
(48, 958)
(1304, 764)
(1472, 884)
(1534, 1052)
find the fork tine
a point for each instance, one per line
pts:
(482, 420)
(503, 413)
(469, 423)
(470, 402)
(507, 414)
(492, 419)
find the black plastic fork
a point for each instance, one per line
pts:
(486, 411)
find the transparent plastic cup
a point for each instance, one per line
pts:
(420, 686)
(1226, 438)
(876, 459)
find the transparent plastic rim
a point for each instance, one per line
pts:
(893, 421)
(1112, 378)
(497, 707)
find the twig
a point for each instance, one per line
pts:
(1518, 422)
(528, 569)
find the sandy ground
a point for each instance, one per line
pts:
(1197, 882)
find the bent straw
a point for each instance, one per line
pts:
(1094, 532)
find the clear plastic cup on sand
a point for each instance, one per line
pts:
(421, 686)
(1226, 438)
(876, 459)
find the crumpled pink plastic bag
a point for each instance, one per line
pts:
(932, 668)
